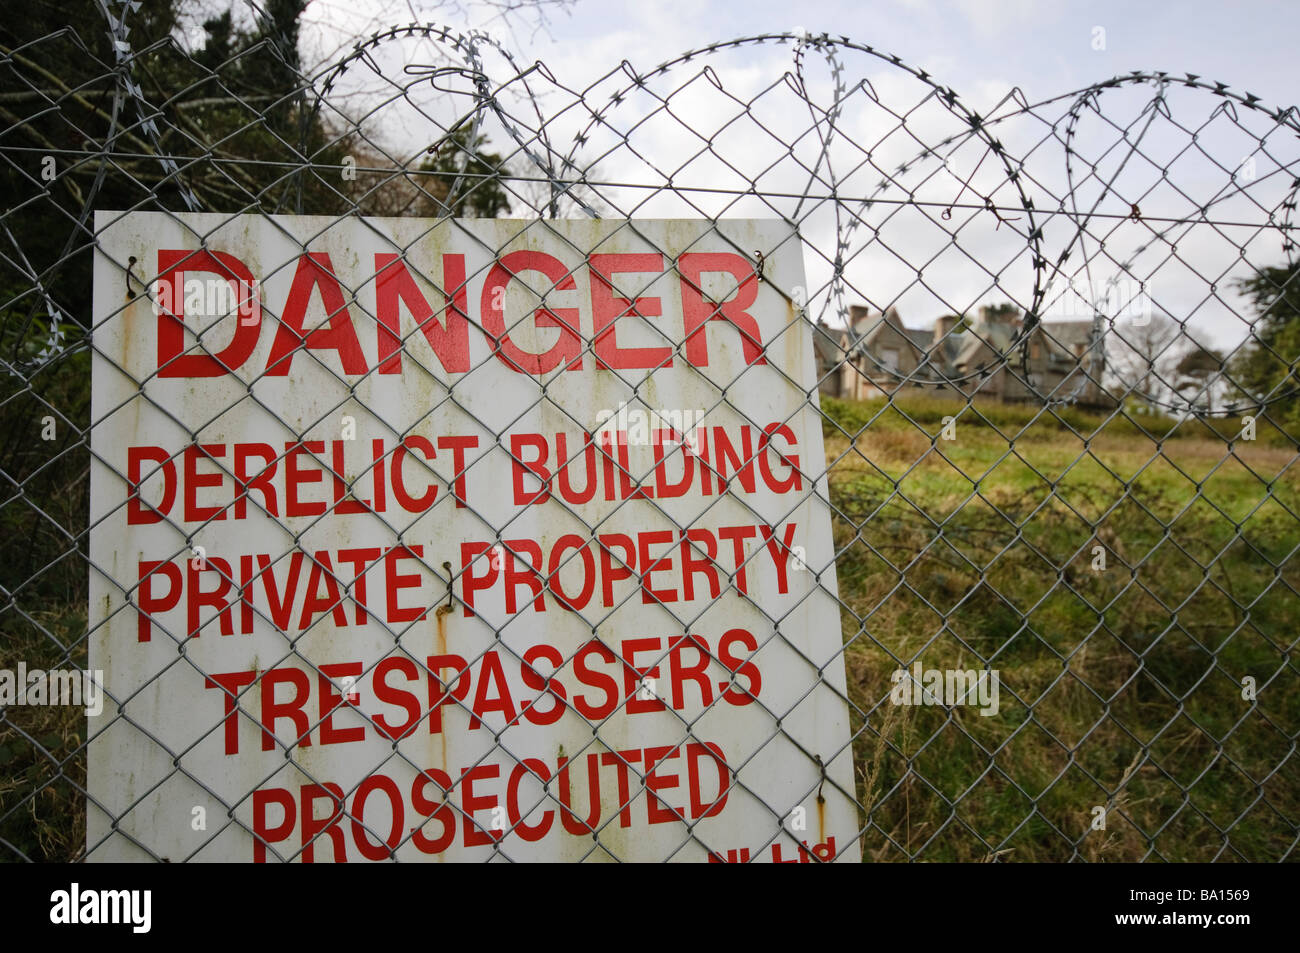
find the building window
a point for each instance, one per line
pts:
(889, 358)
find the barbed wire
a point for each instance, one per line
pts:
(870, 191)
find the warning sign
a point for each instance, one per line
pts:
(446, 540)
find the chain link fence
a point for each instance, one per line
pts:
(1055, 354)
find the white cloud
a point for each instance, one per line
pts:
(992, 18)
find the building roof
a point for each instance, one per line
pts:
(826, 343)
(988, 334)
(865, 324)
(921, 337)
(1068, 333)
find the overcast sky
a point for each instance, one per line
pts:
(1044, 46)
(980, 48)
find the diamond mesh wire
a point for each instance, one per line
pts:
(1055, 349)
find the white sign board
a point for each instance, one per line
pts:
(458, 539)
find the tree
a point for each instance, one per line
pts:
(218, 128)
(466, 180)
(1199, 376)
(1142, 357)
(458, 179)
(1265, 367)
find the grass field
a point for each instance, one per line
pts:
(1120, 688)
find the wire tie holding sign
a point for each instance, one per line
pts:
(130, 263)
(822, 766)
(450, 591)
(758, 271)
